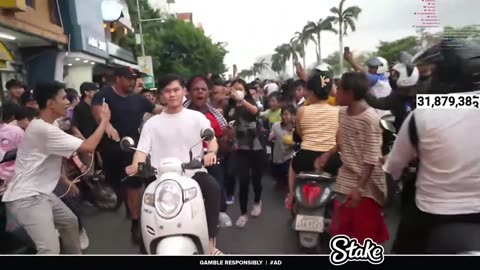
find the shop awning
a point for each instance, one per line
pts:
(123, 63)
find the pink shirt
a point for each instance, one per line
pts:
(10, 138)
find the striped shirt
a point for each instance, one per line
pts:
(360, 143)
(319, 126)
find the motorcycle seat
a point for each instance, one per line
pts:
(315, 176)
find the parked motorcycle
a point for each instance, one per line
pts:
(313, 210)
(173, 219)
(15, 241)
(92, 185)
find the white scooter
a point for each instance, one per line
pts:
(173, 219)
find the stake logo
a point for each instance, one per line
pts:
(345, 249)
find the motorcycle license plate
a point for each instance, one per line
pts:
(309, 224)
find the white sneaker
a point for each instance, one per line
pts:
(84, 241)
(257, 210)
(242, 221)
(224, 220)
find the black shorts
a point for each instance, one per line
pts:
(304, 162)
(115, 161)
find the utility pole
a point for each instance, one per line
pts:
(141, 21)
(142, 41)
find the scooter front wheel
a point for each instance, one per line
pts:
(177, 245)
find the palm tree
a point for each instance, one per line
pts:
(278, 63)
(259, 67)
(314, 30)
(245, 73)
(289, 51)
(345, 18)
(281, 56)
(302, 39)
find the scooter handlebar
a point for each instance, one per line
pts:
(196, 164)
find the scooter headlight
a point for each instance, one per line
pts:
(168, 199)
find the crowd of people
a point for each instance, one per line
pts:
(316, 122)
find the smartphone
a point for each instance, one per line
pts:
(347, 49)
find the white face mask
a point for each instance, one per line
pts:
(241, 94)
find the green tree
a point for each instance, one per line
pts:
(278, 63)
(390, 50)
(259, 67)
(302, 39)
(176, 46)
(313, 31)
(333, 61)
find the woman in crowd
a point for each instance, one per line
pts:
(249, 156)
(317, 126)
(198, 88)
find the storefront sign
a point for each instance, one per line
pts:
(17, 5)
(5, 56)
(146, 66)
(93, 42)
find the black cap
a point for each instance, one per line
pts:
(88, 86)
(26, 97)
(126, 72)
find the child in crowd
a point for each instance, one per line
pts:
(274, 113)
(360, 183)
(282, 135)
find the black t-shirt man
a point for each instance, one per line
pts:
(127, 110)
(83, 119)
(82, 115)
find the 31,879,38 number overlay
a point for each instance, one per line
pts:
(454, 101)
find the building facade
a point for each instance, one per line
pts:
(93, 26)
(31, 35)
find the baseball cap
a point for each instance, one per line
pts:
(126, 72)
(88, 86)
(26, 97)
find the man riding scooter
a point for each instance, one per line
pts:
(377, 71)
(401, 101)
(446, 204)
(170, 135)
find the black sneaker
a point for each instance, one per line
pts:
(136, 233)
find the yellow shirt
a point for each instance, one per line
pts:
(319, 125)
(331, 100)
(273, 116)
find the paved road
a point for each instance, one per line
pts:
(269, 234)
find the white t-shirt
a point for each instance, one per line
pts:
(271, 88)
(448, 180)
(379, 90)
(172, 135)
(39, 160)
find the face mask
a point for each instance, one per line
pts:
(241, 95)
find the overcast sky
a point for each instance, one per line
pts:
(253, 28)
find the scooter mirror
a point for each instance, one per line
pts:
(207, 134)
(387, 126)
(126, 144)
